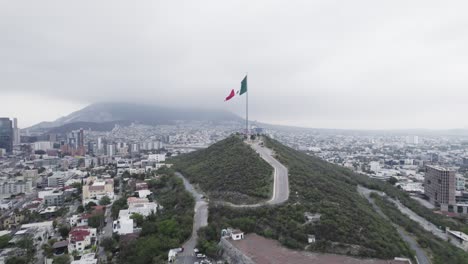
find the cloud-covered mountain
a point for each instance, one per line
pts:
(102, 116)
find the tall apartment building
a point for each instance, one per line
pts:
(16, 132)
(439, 185)
(6, 134)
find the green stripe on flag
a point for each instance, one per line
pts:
(243, 88)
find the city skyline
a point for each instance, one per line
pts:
(360, 65)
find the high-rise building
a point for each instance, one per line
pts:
(439, 185)
(6, 134)
(16, 132)
(110, 150)
(413, 140)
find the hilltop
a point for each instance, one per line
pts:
(228, 170)
(348, 223)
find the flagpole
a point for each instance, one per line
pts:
(247, 111)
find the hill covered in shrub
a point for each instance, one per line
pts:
(229, 170)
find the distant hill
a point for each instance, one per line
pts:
(101, 116)
(348, 223)
(229, 170)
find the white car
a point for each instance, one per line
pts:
(201, 256)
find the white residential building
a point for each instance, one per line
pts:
(80, 238)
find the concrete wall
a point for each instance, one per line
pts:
(231, 254)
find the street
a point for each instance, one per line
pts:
(200, 219)
(280, 195)
(280, 179)
(421, 255)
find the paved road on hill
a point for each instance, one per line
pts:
(420, 253)
(280, 195)
(280, 178)
(200, 219)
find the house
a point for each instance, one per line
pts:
(60, 247)
(123, 225)
(95, 189)
(236, 234)
(40, 232)
(81, 238)
(141, 186)
(6, 204)
(312, 218)
(13, 220)
(79, 220)
(50, 211)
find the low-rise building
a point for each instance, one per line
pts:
(95, 189)
(13, 220)
(54, 199)
(81, 238)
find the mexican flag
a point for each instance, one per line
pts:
(242, 90)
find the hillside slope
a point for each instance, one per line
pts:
(348, 223)
(228, 170)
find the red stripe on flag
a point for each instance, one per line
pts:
(230, 96)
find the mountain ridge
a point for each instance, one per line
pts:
(125, 112)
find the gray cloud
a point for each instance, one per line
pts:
(343, 64)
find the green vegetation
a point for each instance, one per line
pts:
(64, 259)
(138, 219)
(108, 244)
(120, 204)
(228, 170)
(105, 200)
(4, 240)
(96, 221)
(415, 206)
(64, 230)
(316, 187)
(442, 251)
(164, 230)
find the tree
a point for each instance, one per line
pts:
(4, 241)
(77, 186)
(64, 230)
(27, 244)
(64, 259)
(16, 260)
(118, 205)
(138, 218)
(89, 206)
(48, 249)
(80, 209)
(392, 180)
(105, 200)
(108, 243)
(96, 220)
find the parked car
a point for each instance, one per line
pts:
(201, 256)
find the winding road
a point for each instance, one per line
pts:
(280, 195)
(280, 178)
(200, 219)
(421, 255)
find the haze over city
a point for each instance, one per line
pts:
(359, 65)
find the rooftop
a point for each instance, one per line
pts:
(267, 251)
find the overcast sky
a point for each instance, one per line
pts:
(333, 64)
